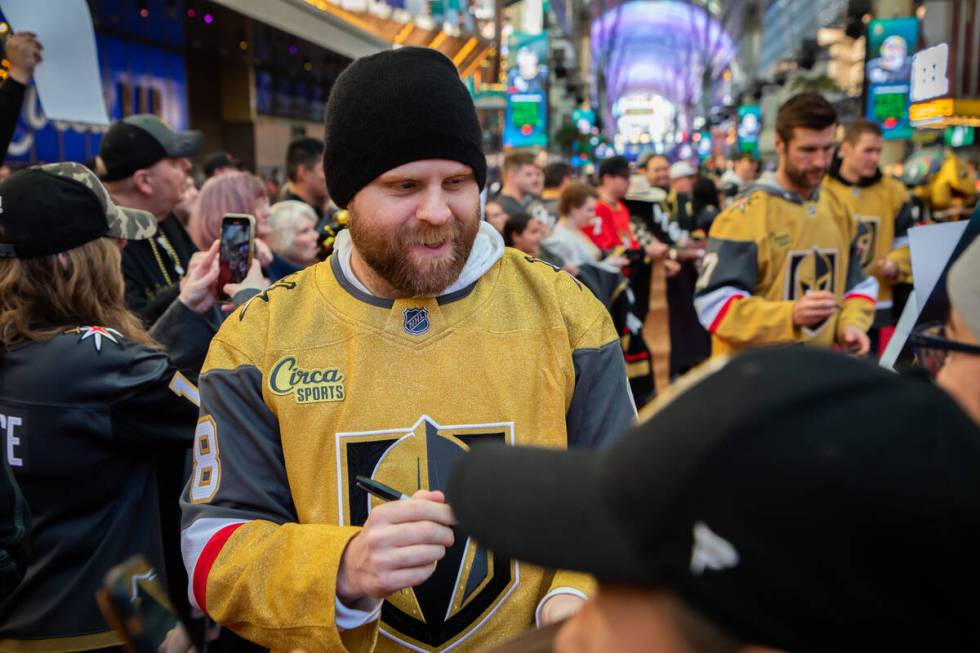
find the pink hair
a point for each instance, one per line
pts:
(238, 192)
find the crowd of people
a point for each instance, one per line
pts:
(485, 354)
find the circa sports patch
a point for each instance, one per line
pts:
(307, 386)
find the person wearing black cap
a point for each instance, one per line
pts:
(219, 163)
(612, 228)
(89, 402)
(143, 163)
(822, 504)
(419, 336)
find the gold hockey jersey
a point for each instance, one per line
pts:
(315, 382)
(769, 249)
(883, 216)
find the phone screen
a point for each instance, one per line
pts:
(137, 607)
(236, 251)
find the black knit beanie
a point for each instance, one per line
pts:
(395, 107)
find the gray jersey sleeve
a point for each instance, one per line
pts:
(602, 406)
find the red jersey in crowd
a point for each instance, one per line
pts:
(611, 227)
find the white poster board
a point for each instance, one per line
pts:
(68, 80)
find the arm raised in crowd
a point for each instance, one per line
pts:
(23, 51)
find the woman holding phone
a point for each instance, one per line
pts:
(237, 193)
(90, 400)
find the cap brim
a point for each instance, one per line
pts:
(542, 506)
(186, 144)
(131, 224)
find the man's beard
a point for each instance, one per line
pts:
(802, 177)
(391, 256)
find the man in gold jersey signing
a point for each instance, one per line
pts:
(782, 263)
(421, 336)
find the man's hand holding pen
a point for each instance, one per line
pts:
(398, 547)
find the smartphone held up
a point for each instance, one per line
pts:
(237, 247)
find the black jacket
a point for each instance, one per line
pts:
(152, 276)
(15, 525)
(11, 101)
(95, 411)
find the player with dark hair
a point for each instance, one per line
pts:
(782, 263)
(881, 207)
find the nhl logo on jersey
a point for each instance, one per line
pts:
(470, 583)
(416, 320)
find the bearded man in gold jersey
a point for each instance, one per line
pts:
(421, 335)
(782, 263)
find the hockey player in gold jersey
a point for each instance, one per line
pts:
(782, 263)
(419, 337)
(880, 206)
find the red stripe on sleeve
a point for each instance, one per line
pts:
(859, 296)
(722, 312)
(204, 563)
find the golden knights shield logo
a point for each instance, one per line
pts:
(469, 583)
(811, 270)
(868, 228)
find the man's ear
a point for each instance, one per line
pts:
(846, 149)
(143, 182)
(302, 172)
(781, 148)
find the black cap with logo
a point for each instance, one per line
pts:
(139, 141)
(801, 499)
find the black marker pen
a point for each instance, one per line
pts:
(379, 490)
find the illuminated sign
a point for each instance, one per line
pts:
(526, 115)
(959, 136)
(932, 110)
(749, 128)
(930, 77)
(891, 44)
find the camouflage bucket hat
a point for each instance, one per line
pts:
(53, 208)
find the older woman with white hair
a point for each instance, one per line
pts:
(293, 237)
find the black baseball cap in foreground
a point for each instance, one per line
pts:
(799, 498)
(53, 208)
(139, 141)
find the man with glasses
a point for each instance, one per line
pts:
(952, 353)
